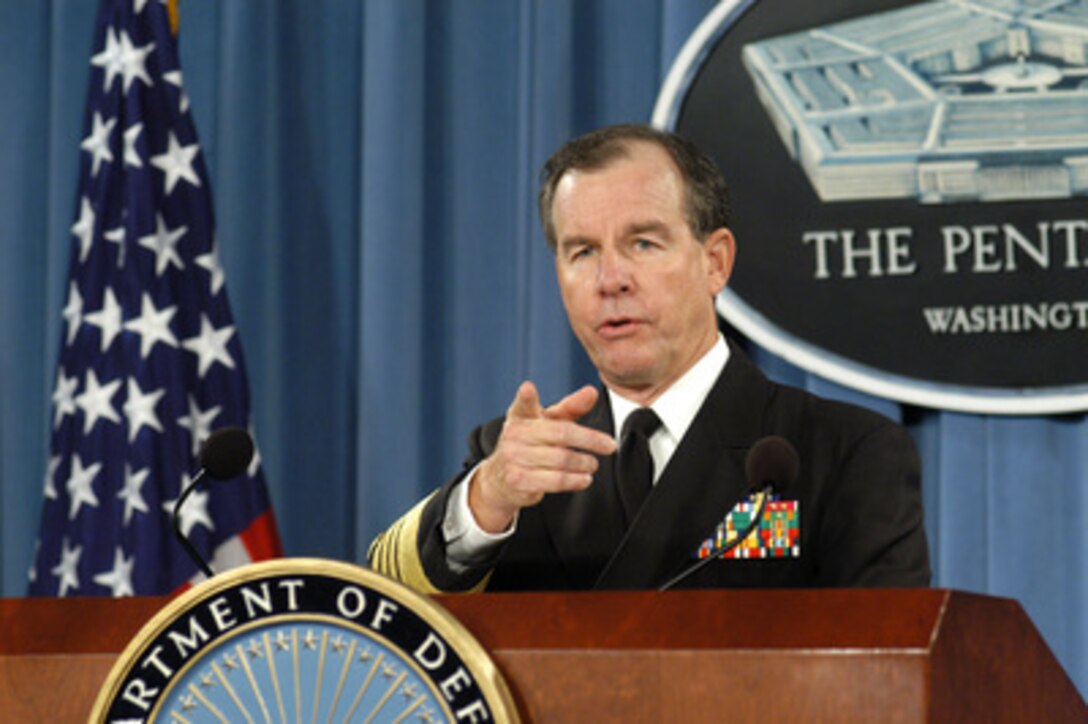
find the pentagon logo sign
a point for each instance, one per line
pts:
(303, 640)
(910, 182)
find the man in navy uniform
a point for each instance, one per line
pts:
(638, 221)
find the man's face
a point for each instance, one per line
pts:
(637, 285)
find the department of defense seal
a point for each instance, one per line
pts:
(303, 640)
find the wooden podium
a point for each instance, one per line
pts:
(782, 655)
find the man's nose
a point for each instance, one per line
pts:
(614, 273)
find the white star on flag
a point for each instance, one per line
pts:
(255, 462)
(95, 401)
(80, 486)
(210, 261)
(73, 311)
(211, 345)
(132, 156)
(133, 61)
(50, 474)
(164, 244)
(194, 512)
(84, 228)
(66, 570)
(109, 59)
(199, 423)
(177, 163)
(139, 408)
(153, 325)
(107, 319)
(116, 236)
(174, 79)
(98, 143)
(119, 578)
(130, 493)
(64, 397)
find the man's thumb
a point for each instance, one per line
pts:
(574, 405)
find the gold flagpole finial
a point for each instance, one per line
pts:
(172, 10)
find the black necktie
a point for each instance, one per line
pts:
(635, 466)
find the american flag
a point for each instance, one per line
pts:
(150, 360)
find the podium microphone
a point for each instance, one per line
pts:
(771, 466)
(224, 455)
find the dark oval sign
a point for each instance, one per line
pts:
(909, 182)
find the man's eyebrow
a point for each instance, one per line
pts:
(569, 241)
(634, 229)
(642, 227)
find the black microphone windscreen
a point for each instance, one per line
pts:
(772, 460)
(226, 453)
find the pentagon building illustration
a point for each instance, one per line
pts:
(945, 101)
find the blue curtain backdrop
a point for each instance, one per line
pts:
(373, 168)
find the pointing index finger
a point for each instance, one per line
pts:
(526, 402)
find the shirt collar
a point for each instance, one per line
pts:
(678, 405)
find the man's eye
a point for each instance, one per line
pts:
(581, 253)
(644, 244)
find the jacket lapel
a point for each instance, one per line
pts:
(703, 481)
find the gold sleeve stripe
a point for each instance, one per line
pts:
(395, 553)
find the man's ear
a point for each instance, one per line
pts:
(720, 249)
